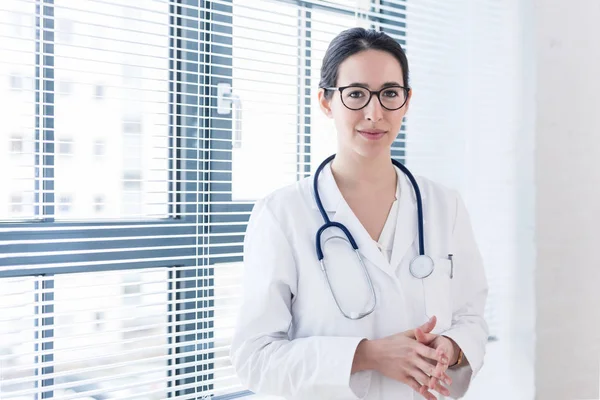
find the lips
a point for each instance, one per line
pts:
(372, 134)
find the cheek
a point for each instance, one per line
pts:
(345, 120)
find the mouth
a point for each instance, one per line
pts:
(372, 134)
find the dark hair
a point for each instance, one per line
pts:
(355, 40)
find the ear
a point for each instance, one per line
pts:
(324, 103)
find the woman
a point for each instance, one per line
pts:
(378, 323)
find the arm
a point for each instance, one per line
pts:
(469, 330)
(264, 357)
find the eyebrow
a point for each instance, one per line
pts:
(366, 85)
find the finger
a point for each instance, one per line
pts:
(420, 376)
(422, 390)
(426, 328)
(425, 373)
(434, 377)
(436, 370)
(425, 338)
(440, 371)
(428, 368)
(441, 367)
(436, 374)
(429, 353)
(426, 393)
(435, 384)
(444, 378)
(442, 356)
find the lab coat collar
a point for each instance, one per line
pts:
(328, 190)
(339, 211)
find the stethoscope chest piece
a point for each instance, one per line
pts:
(421, 266)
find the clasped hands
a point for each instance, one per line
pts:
(416, 357)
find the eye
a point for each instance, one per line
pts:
(356, 94)
(391, 93)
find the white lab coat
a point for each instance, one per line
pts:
(291, 339)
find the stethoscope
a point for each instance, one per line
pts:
(420, 267)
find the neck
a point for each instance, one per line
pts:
(351, 170)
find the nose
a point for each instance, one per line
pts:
(374, 110)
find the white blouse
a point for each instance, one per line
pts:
(386, 238)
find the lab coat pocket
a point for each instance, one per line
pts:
(437, 294)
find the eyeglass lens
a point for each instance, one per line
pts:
(356, 97)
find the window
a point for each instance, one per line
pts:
(99, 91)
(15, 81)
(182, 160)
(16, 204)
(99, 317)
(131, 289)
(64, 87)
(16, 144)
(132, 126)
(17, 332)
(65, 147)
(65, 203)
(17, 22)
(98, 204)
(132, 75)
(115, 338)
(99, 148)
(132, 152)
(18, 112)
(114, 137)
(278, 91)
(132, 180)
(64, 31)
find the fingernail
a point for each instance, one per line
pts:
(445, 360)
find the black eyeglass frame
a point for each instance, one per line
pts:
(372, 92)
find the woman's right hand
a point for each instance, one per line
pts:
(401, 357)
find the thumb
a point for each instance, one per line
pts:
(424, 338)
(428, 326)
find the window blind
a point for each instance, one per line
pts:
(136, 137)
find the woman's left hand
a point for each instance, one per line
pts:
(444, 345)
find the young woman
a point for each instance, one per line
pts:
(362, 281)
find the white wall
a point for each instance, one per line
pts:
(568, 199)
(471, 127)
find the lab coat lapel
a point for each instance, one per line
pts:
(339, 211)
(366, 245)
(406, 224)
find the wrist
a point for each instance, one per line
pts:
(456, 353)
(364, 356)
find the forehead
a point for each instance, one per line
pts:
(373, 67)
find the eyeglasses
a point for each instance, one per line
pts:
(357, 97)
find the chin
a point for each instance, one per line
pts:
(373, 150)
